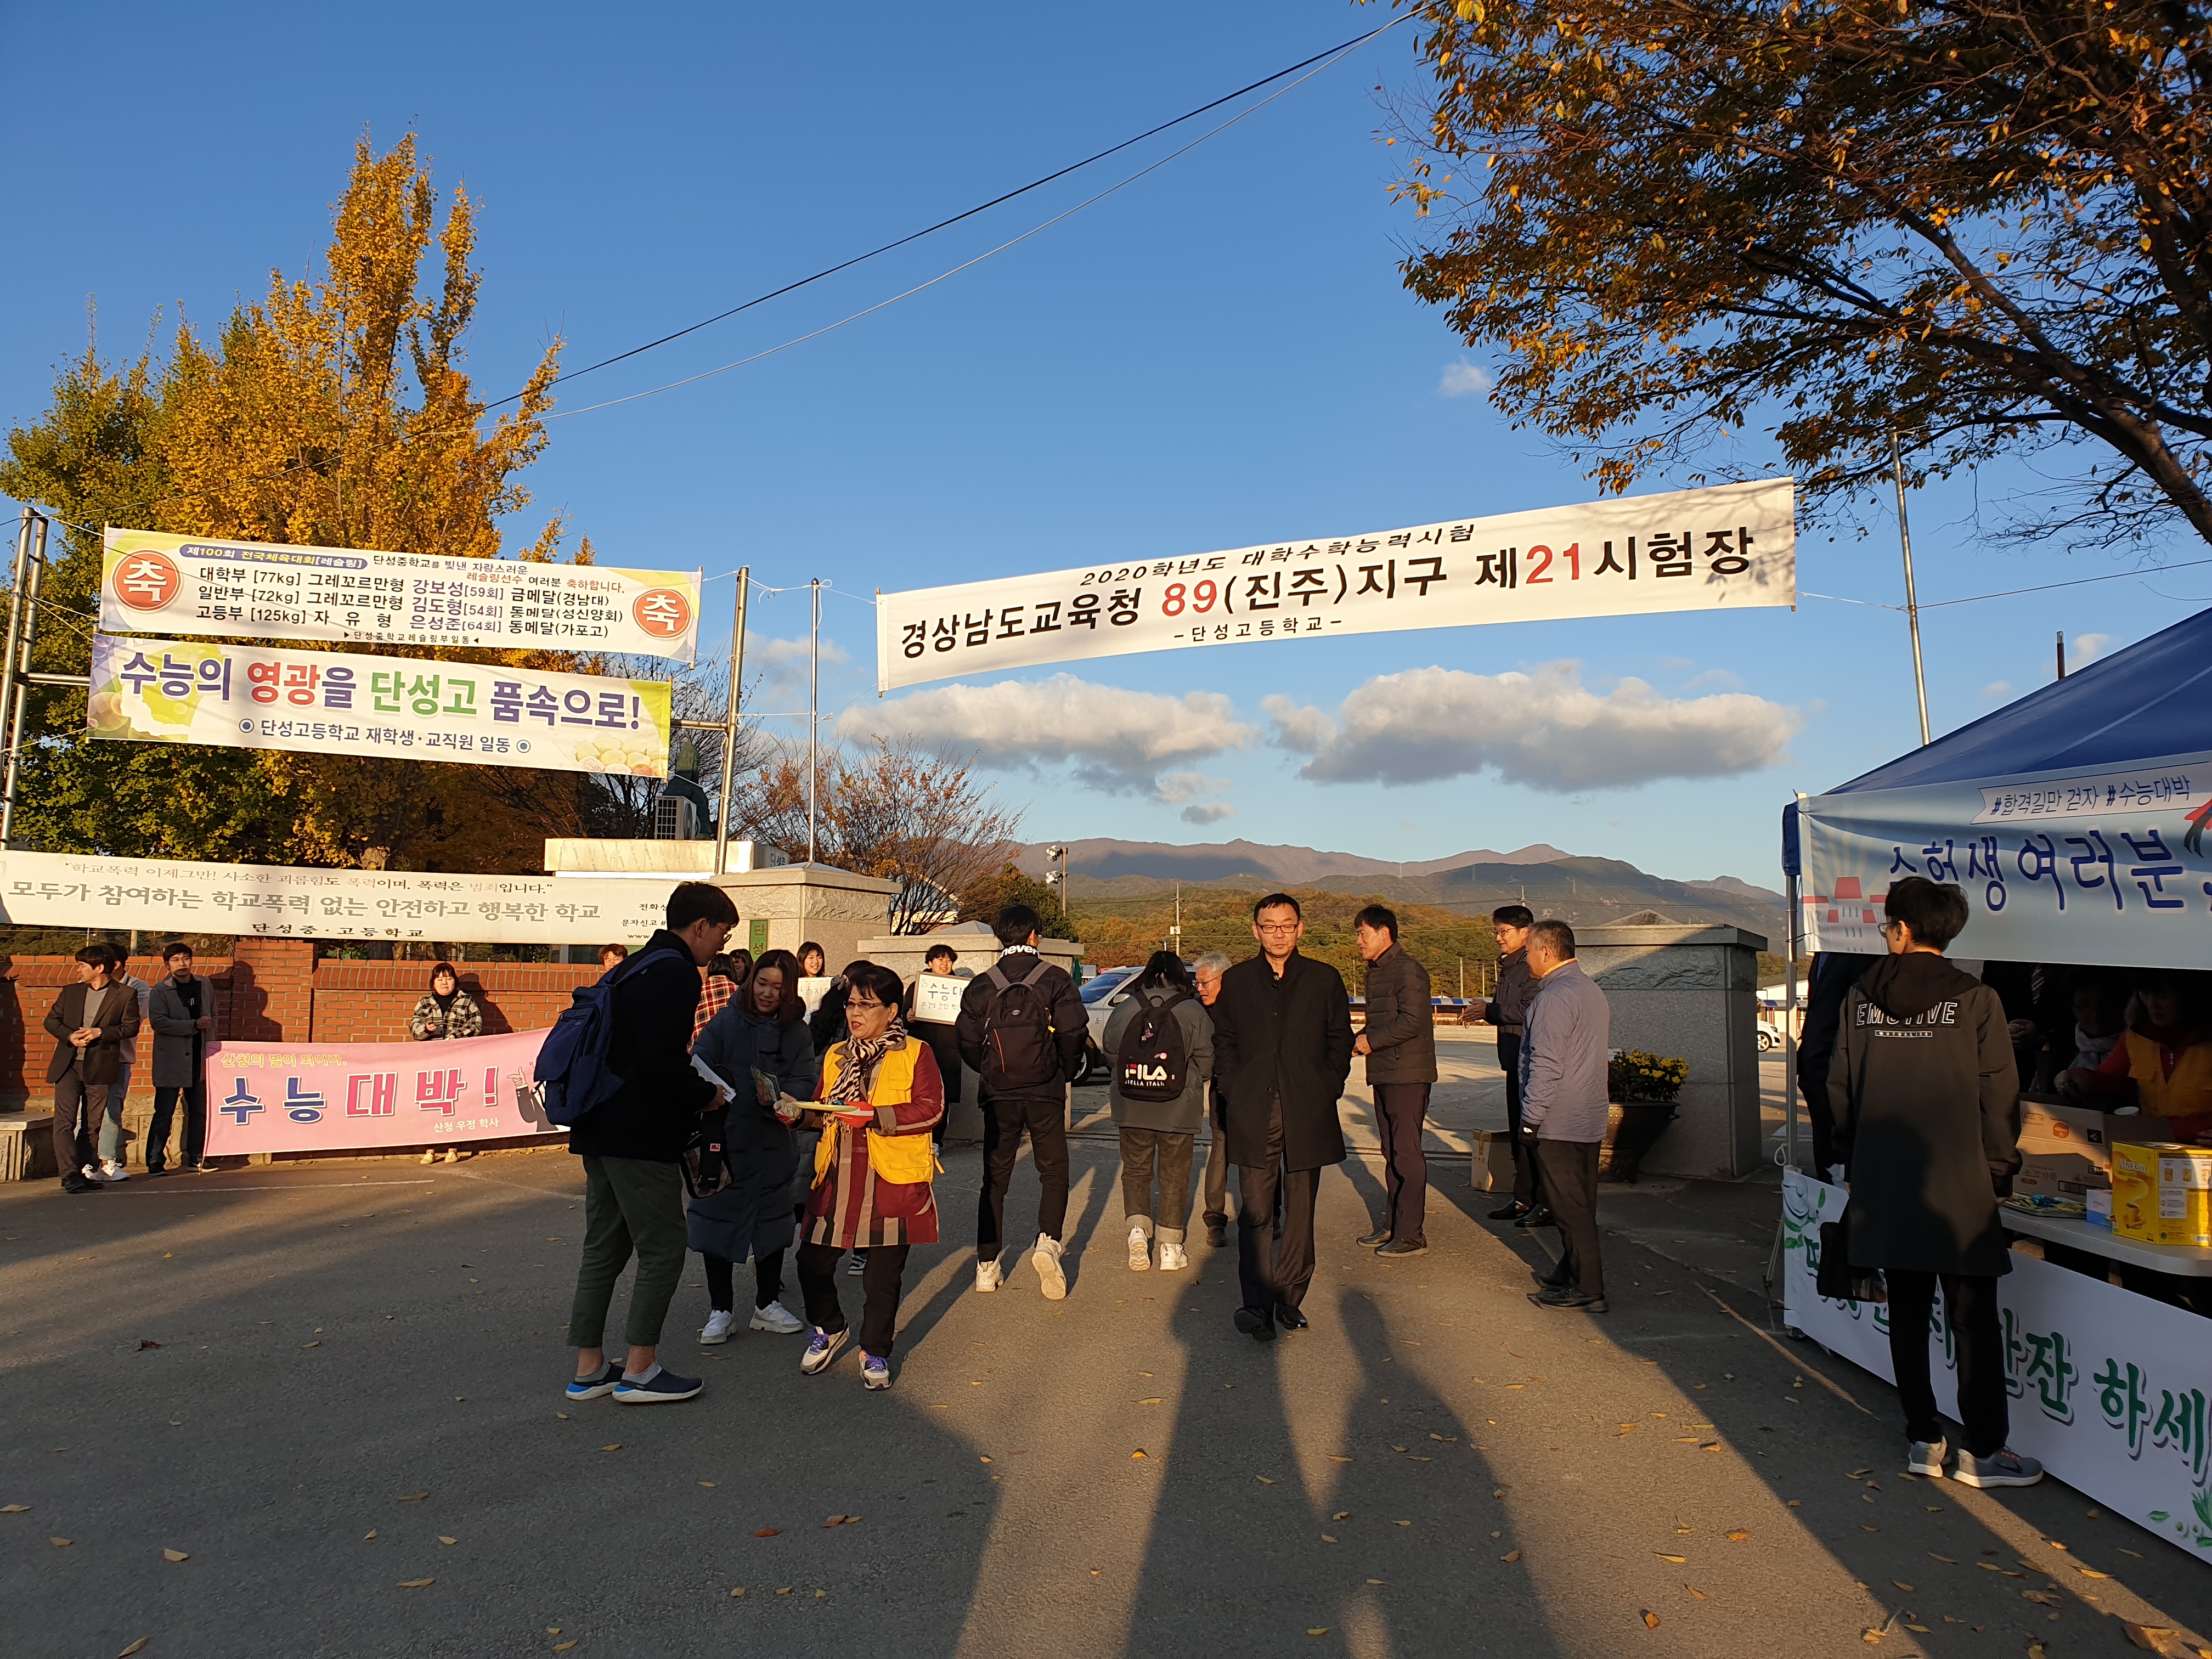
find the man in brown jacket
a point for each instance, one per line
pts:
(92, 1023)
(1400, 1046)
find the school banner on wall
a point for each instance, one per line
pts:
(69, 890)
(243, 697)
(152, 583)
(2094, 867)
(1729, 547)
(354, 1096)
(2108, 1388)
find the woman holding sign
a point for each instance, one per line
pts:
(880, 1096)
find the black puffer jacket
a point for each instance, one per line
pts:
(657, 1107)
(1927, 1109)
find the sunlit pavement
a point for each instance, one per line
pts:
(307, 1379)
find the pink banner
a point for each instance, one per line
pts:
(345, 1096)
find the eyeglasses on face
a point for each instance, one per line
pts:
(1277, 926)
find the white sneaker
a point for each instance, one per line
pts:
(1050, 1275)
(720, 1324)
(430, 1156)
(1172, 1259)
(1141, 1250)
(778, 1318)
(111, 1170)
(1925, 1457)
(989, 1274)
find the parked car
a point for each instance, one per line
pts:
(1099, 995)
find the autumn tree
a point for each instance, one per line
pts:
(892, 809)
(1980, 222)
(334, 412)
(982, 900)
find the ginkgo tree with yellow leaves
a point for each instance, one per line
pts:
(334, 412)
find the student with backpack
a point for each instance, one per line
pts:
(616, 1070)
(1159, 1043)
(1022, 1028)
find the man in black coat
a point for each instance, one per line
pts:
(1507, 1008)
(1927, 1114)
(1282, 1048)
(92, 1023)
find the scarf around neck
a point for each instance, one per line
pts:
(856, 1077)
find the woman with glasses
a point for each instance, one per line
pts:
(880, 1096)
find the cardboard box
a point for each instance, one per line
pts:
(2042, 1180)
(2185, 1194)
(2135, 1192)
(2098, 1200)
(2074, 1145)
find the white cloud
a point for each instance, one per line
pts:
(1464, 379)
(2087, 647)
(1545, 729)
(1727, 677)
(1997, 691)
(1123, 742)
(1210, 812)
(782, 664)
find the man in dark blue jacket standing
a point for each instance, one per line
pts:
(632, 1145)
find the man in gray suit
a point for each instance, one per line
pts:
(182, 1009)
(1566, 1060)
(91, 1023)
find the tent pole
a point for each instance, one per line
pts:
(1790, 1018)
(1911, 599)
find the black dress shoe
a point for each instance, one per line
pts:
(1255, 1324)
(1539, 1217)
(75, 1183)
(1217, 1237)
(1399, 1247)
(1557, 1276)
(1512, 1212)
(1380, 1236)
(1566, 1297)
(1290, 1318)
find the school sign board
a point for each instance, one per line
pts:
(2108, 1388)
(1725, 548)
(236, 696)
(152, 583)
(68, 889)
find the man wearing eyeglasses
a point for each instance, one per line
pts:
(1282, 1048)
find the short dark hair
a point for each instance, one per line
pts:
(1381, 917)
(784, 965)
(175, 948)
(811, 949)
(446, 967)
(1274, 901)
(888, 989)
(1514, 915)
(1935, 912)
(945, 950)
(619, 952)
(1164, 968)
(95, 956)
(699, 901)
(722, 964)
(1557, 937)
(1015, 923)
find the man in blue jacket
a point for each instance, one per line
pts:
(632, 1145)
(1565, 1057)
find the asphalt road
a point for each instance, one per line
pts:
(325, 1384)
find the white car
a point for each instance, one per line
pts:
(1100, 993)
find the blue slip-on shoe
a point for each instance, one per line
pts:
(822, 1348)
(875, 1371)
(662, 1388)
(591, 1387)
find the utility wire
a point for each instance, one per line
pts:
(2040, 587)
(916, 236)
(1034, 230)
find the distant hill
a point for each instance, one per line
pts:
(1585, 891)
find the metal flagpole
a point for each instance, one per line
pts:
(16, 613)
(730, 726)
(1911, 599)
(19, 669)
(813, 715)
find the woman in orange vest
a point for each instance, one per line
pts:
(880, 1096)
(2164, 1058)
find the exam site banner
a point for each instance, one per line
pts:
(356, 1096)
(2108, 1388)
(1729, 547)
(175, 896)
(152, 583)
(245, 696)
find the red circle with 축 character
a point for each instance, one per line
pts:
(663, 612)
(146, 581)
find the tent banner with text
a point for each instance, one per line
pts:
(319, 702)
(171, 896)
(151, 583)
(1729, 547)
(352, 1096)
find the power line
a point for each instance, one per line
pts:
(2040, 587)
(942, 276)
(1036, 184)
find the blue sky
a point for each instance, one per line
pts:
(1220, 354)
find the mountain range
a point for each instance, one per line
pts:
(1583, 891)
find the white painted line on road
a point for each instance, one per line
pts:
(312, 1187)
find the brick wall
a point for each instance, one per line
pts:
(370, 1001)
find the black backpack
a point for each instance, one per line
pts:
(1152, 1064)
(1019, 1051)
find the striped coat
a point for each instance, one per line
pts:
(848, 1206)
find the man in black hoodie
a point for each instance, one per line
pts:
(632, 1144)
(1927, 1111)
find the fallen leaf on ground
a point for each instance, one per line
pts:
(1318, 1629)
(2091, 1572)
(1402, 1523)
(1677, 1560)
(786, 1590)
(735, 1594)
(417, 1583)
(1342, 1515)
(1515, 1556)
(138, 1646)
(616, 1447)
(2151, 1639)
(1263, 1480)
(443, 1539)
(1398, 1449)
(767, 1532)
(1945, 1560)
(562, 1647)
(707, 1483)
(145, 1343)
(1902, 1585)
(1134, 1454)
(1796, 1503)
(15, 1509)
(59, 1543)
(1326, 1539)
(414, 1497)
(561, 1416)
(1699, 1594)
(1650, 1620)
(174, 1555)
(1922, 1629)
(1155, 1400)
(1333, 1458)
(370, 1534)
(1738, 1535)
(821, 1595)
(311, 1345)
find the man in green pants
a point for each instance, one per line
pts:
(631, 1145)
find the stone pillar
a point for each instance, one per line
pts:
(836, 908)
(1690, 992)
